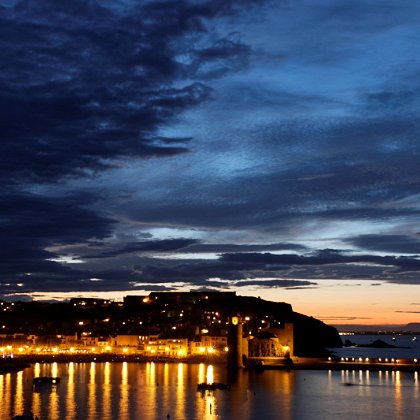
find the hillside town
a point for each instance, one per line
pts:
(161, 324)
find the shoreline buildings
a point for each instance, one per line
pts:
(167, 324)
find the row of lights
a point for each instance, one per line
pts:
(9, 349)
(360, 359)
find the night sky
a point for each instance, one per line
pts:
(267, 147)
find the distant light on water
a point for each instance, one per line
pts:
(210, 374)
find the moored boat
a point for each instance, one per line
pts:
(48, 380)
(211, 387)
(25, 416)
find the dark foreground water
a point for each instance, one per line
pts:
(129, 391)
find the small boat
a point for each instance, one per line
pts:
(46, 380)
(414, 339)
(25, 416)
(204, 386)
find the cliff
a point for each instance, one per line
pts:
(311, 336)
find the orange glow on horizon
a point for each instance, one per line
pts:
(337, 302)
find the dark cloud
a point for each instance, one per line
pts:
(289, 284)
(135, 134)
(229, 270)
(343, 318)
(224, 56)
(146, 246)
(84, 84)
(330, 183)
(325, 257)
(223, 248)
(387, 243)
(31, 225)
(408, 312)
(181, 245)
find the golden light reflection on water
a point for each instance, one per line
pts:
(37, 369)
(2, 388)
(8, 387)
(206, 407)
(151, 391)
(5, 387)
(398, 398)
(210, 374)
(54, 407)
(19, 403)
(287, 387)
(124, 393)
(54, 369)
(166, 374)
(180, 393)
(180, 374)
(36, 403)
(151, 373)
(70, 401)
(106, 402)
(201, 373)
(92, 410)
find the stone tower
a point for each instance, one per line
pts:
(235, 342)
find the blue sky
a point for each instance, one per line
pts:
(270, 147)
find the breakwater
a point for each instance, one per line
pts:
(372, 364)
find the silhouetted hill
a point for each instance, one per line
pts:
(311, 336)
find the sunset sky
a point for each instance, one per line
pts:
(267, 147)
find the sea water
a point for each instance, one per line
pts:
(151, 391)
(405, 346)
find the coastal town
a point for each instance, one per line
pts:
(192, 327)
(169, 325)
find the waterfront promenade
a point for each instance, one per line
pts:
(344, 363)
(295, 363)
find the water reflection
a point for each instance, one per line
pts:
(152, 391)
(210, 374)
(106, 391)
(124, 393)
(399, 401)
(37, 369)
(19, 407)
(54, 369)
(201, 373)
(92, 410)
(180, 393)
(70, 398)
(4, 391)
